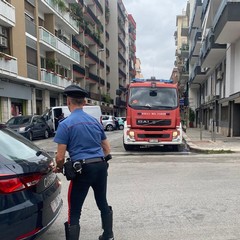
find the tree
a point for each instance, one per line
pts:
(191, 117)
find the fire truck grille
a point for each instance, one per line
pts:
(155, 122)
(153, 135)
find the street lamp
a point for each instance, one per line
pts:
(99, 79)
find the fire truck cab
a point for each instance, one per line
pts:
(153, 114)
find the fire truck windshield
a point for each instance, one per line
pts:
(153, 98)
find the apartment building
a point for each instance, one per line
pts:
(214, 85)
(46, 45)
(180, 73)
(138, 68)
(121, 43)
(182, 49)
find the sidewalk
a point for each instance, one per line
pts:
(210, 143)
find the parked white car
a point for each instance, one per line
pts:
(109, 122)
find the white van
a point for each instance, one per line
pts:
(52, 115)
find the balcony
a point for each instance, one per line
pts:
(123, 74)
(63, 18)
(195, 50)
(92, 37)
(52, 43)
(198, 74)
(226, 23)
(91, 17)
(122, 44)
(7, 14)
(184, 50)
(196, 16)
(79, 69)
(99, 7)
(184, 31)
(211, 52)
(8, 65)
(122, 58)
(94, 96)
(54, 79)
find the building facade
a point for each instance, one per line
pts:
(213, 60)
(46, 45)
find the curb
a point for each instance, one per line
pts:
(197, 149)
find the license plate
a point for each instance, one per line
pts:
(153, 140)
(55, 203)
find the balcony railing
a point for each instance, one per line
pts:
(99, 6)
(79, 69)
(8, 65)
(95, 19)
(65, 15)
(122, 58)
(94, 96)
(91, 34)
(54, 79)
(7, 13)
(58, 45)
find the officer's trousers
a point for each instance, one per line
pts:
(93, 175)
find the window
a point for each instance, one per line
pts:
(31, 56)
(155, 98)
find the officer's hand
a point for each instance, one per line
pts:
(57, 169)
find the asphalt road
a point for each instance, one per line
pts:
(162, 196)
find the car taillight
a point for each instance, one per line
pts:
(10, 184)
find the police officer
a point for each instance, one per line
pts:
(83, 137)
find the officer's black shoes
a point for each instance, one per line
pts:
(107, 223)
(66, 230)
(72, 232)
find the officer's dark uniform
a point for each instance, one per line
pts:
(83, 134)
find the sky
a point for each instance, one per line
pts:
(155, 43)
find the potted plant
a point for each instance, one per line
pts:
(50, 64)
(191, 117)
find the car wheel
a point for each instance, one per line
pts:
(30, 136)
(109, 127)
(46, 134)
(121, 127)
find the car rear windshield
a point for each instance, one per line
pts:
(19, 120)
(15, 147)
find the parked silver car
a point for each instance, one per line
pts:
(109, 122)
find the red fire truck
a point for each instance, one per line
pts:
(153, 114)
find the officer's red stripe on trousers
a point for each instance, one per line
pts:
(69, 200)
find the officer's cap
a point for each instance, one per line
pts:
(75, 91)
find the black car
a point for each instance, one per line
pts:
(30, 126)
(30, 198)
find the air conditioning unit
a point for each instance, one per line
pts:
(219, 75)
(3, 31)
(3, 42)
(61, 32)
